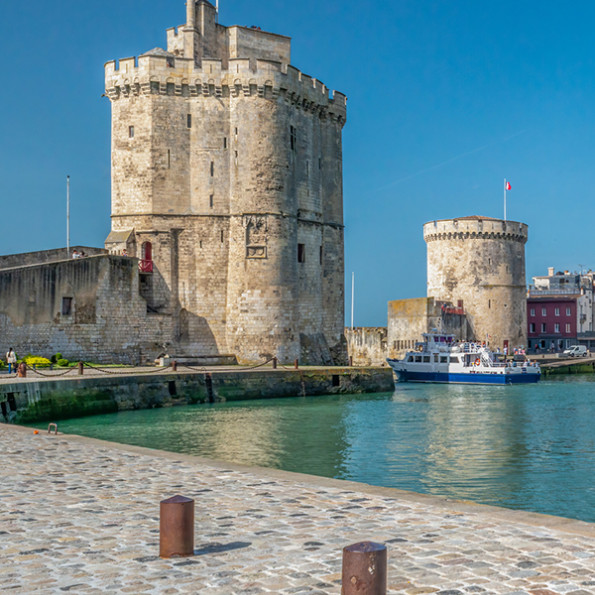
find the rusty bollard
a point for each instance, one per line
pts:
(22, 370)
(80, 364)
(176, 527)
(364, 569)
(351, 360)
(296, 364)
(174, 366)
(274, 363)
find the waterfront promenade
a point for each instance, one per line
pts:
(80, 515)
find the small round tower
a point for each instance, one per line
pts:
(481, 261)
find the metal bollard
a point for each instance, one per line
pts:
(80, 364)
(274, 363)
(296, 364)
(174, 366)
(22, 370)
(351, 360)
(364, 569)
(176, 527)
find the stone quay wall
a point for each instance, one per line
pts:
(481, 261)
(53, 399)
(11, 261)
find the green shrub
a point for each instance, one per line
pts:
(56, 357)
(63, 363)
(35, 360)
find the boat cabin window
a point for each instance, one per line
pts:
(426, 359)
(410, 358)
(435, 358)
(454, 359)
(418, 358)
(443, 359)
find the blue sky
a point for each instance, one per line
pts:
(445, 99)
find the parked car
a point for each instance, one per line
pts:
(576, 351)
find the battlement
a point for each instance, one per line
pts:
(159, 72)
(475, 228)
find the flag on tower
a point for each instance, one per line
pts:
(507, 187)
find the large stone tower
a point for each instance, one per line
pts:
(227, 184)
(481, 261)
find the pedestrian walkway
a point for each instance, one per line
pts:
(82, 516)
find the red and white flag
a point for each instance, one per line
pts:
(507, 186)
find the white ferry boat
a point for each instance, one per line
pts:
(439, 358)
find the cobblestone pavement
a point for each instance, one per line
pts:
(81, 516)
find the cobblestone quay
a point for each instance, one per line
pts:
(82, 516)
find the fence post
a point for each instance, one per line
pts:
(81, 366)
(174, 366)
(296, 364)
(364, 569)
(274, 363)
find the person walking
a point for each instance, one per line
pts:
(11, 360)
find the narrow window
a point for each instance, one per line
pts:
(320, 255)
(200, 243)
(567, 311)
(567, 328)
(556, 328)
(532, 327)
(532, 311)
(292, 138)
(543, 312)
(221, 236)
(212, 168)
(225, 142)
(543, 327)
(66, 306)
(236, 132)
(130, 131)
(489, 303)
(557, 312)
(319, 163)
(211, 201)
(189, 121)
(301, 252)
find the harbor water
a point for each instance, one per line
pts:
(529, 447)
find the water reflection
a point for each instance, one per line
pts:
(529, 447)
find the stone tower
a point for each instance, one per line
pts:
(481, 261)
(227, 185)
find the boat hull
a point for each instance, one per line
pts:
(457, 378)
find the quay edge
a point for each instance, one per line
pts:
(26, 401)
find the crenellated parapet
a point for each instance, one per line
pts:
(484, 228)
(154, 74)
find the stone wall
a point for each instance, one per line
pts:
(482, 262)
(10, 261)
(367, 345)
(88, 309)
(26, 401)
(409, 319)
(229, 162)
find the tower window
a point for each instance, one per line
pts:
(189, 120)
(225, 142)
(130, 131)
(168, 159)
(236, 131)
(301, 255)
(212, 168)
(221, 236)
(292, 138)
(320, 254)
(211, 201)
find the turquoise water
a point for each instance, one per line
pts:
(528, 446)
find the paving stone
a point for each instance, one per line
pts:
(82, 516)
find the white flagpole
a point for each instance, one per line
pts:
(504, 199)
(68, 215)
(352, 296)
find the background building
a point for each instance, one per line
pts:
(560, 310)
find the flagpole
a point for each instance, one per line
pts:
(504, 199)
(68, 215)
(352, 296)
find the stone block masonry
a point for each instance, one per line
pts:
(227, 170)
(81, 515)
